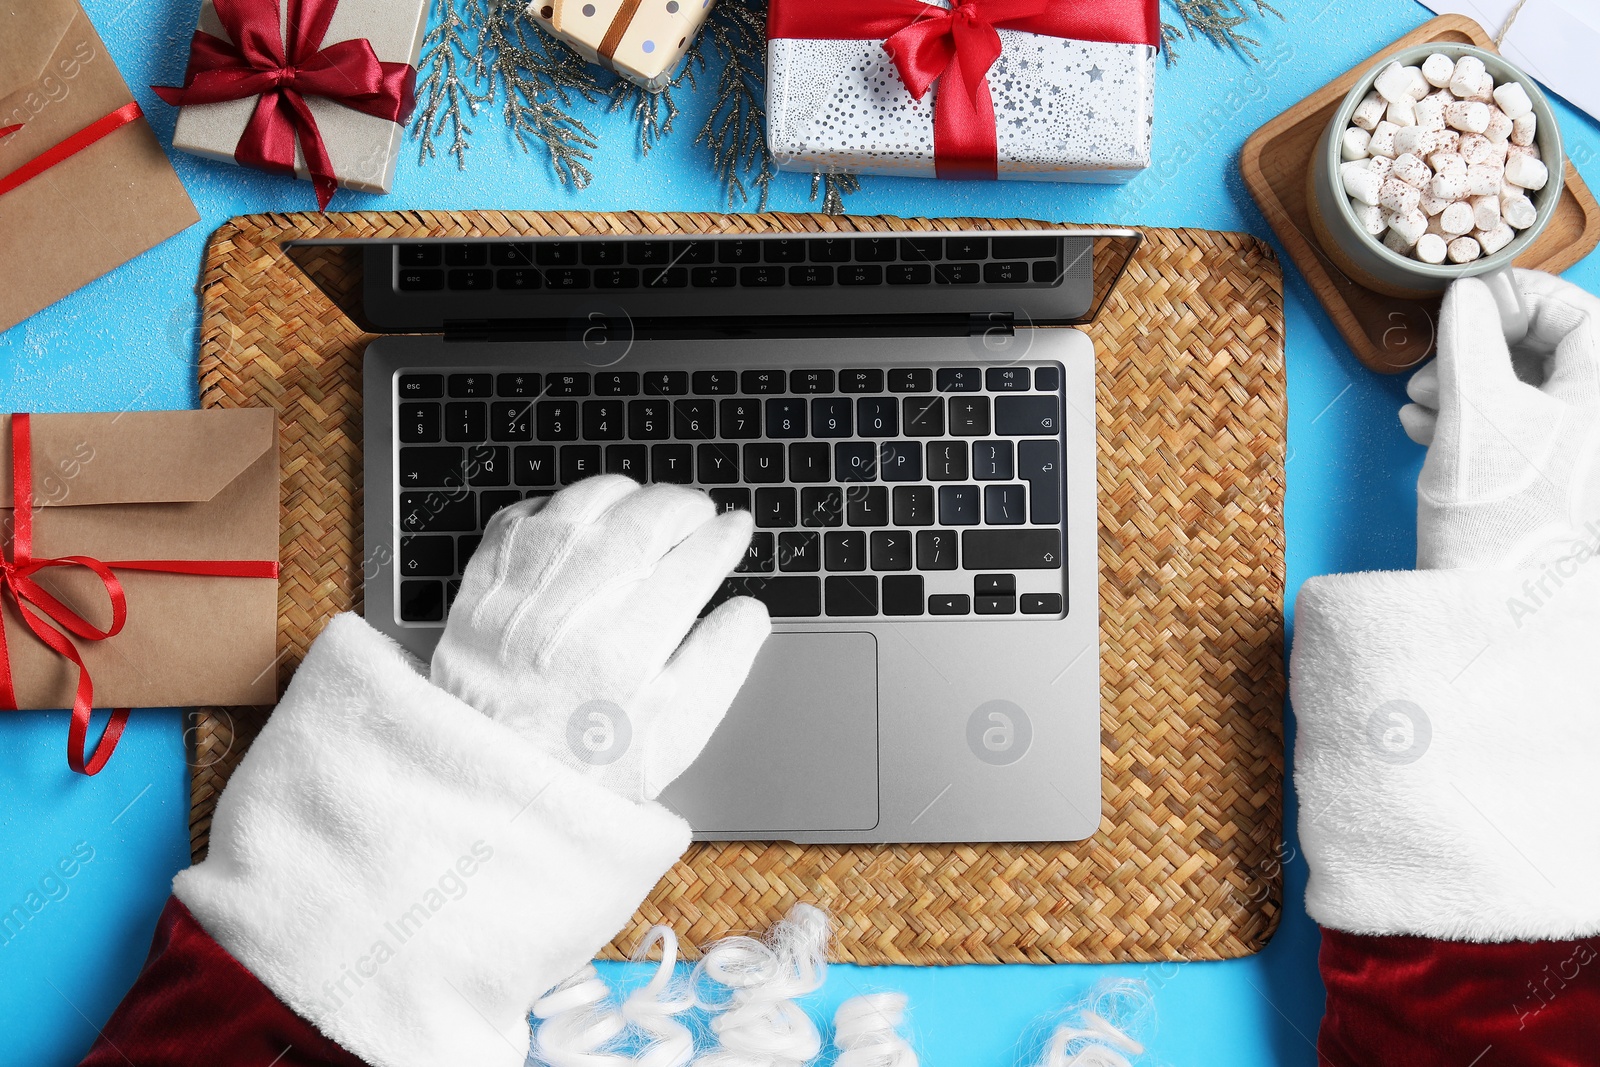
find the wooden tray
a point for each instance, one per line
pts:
(1190, 413)
(1389, 334)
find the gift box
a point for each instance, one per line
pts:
(644, 41)
(321, 89)
(140, 565)
(1041, 90)
(84, 185)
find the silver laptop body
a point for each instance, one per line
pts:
(926, 538)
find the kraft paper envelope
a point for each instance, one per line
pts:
(95, 210)
(162, 485)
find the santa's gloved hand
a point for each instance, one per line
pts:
(1511, 477)
(575, 626)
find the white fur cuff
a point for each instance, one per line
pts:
(1448, 736)
(408, 875)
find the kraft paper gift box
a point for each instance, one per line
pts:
(1065, 107)
(644, 41)
(91, 210)
(171, 485)
(362, 148)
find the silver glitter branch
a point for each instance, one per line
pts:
(735, 129)
(833, 188)
(541, 79)
(446, 98)
(1217, 21)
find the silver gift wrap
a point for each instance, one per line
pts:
(1065, 110)
(361, 147)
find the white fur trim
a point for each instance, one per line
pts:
(1489, 830)
(376, 809)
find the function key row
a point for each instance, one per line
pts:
(530, 384)
(772, 250)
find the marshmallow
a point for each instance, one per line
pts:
(1465, 78)
(1437, 228)
(1382, 142)
(1475, 148)
(1429, 112)
(1499, 128)
(1393, 83)
(1456, 219)
(1369, 112)
(1380, 165)
(1524, 171)
(1463, 250)
(1449, 177)
(1518, 211)
(1431, 205)
(1402, 112)
(1485, 93)
(1353, 145)
(1468, 116)
(1361, 183)
(1431, 248)
(1438, 69)
(1494, 239)
(1485, 213)
(1396, 240)
(1524, 128)
(1497, 153)
(1398, 197)
(1515, 150)
(1513, 100)
(1483, 179)
(1419, 83)
(1370, 216)
(1413, 140)
(1412, 171)
(1410, 227)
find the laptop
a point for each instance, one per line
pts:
(910, 419)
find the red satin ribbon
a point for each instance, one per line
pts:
(68, 148)
(16, 581)
(956, 46)
(258, 64)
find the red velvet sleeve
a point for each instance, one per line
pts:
(1412, 1000)
(194, 1005)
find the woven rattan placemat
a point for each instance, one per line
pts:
(1192, 414)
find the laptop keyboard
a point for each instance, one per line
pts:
(726, 263)
(892, 493)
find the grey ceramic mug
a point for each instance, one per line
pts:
(1372, 263)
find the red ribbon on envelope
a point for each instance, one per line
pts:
(66, 149)
(956, 46)
(17, 569)
(258, 64)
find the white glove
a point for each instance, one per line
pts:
(1510, 479)
(569, 623)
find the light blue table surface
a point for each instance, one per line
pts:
(127, 341)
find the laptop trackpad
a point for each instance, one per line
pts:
(798, 750)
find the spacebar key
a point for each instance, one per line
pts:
(1010, 550)
(795, 598)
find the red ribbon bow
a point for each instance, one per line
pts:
(17, 582)
(956, 46)
(258, 64)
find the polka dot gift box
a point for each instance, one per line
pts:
(1040, 90)
(642, 40)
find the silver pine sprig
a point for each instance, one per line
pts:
(833, 187)
(445, 73)
(735, 130)
(1217, 21)
(541, 79)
